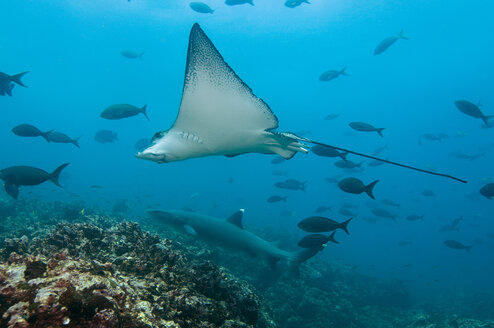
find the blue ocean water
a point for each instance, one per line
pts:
(72, 50)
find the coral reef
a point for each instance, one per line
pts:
(81, 275)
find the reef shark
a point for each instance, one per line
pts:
(220, 115)
(230, 234)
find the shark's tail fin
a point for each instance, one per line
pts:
(54, 176)
(301, 256)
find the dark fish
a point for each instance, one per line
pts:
(119, 111)
(7, 82)
(414, 217)
(470, 109)
(349, 205)
(383, 213)
(278, 160)
(275, 199)
(347, 164)
(371, 220)
(375, 163)
(389, 202)
(434, 137)
(346, 212)
(28, 130)
(315, 240)
(95, 186)
(453, 226)
(17, 176)
(201, 7)
(331, 117)
(404, 243)
(142, 144)
(332, 74)
(322, 224)
(279, 173)
(105, 136)
(379, 150)
(428, 193)
(131, 54)
(295, 3)
(328, 152)
(386, 43)
(238, 2)
(487, 190)
(365, 127)
(291, 184)
(58, 137)
(457, 245)
(322, 209)
(460, 155)
(356, 186)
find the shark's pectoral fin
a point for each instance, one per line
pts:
(11, 189)
(234, 155)
(190, 230)
(236, 218)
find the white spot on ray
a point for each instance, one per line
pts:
(219, 114)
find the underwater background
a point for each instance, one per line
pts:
(72, 52)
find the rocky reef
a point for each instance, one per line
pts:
(81, 275)
(63, 265)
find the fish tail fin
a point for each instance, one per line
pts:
(45, 135)
(343, 156)
(284, 198)
(115, 135)
(401, 36)
(344, 225)
(55, 174)
(307, 1)
(468, 248)
(304, 185)
(342, 72)
(331, 238)
(143, 111)
(370, 188)
(250, 2)
(141, 54)
(298, 257)
(17, 79)
(487, 118)
(76, 141)
(380, 131)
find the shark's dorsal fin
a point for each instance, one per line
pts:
(236, 218)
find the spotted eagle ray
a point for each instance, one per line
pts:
(220, 115)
